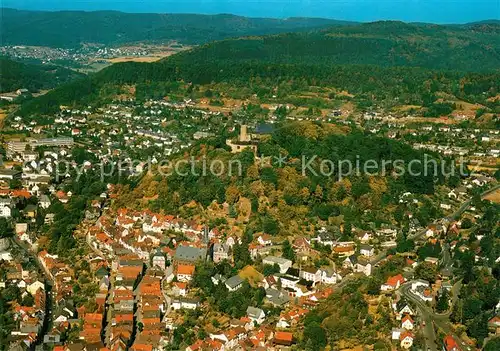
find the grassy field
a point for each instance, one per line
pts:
(494, 197)
(3, 115)
(137, 59)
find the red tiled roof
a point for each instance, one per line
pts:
(283, 336)
(494, 320)
(181, 285)
(20, 193)
(186, 269)
(405, 334)
(406, 318)
(196, 346)
(450, 344)
(343, 249)
(129, 317)
(393, 281)
(142, 347)
(93, 318)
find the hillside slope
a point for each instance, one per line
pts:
(16, 75)
(377, 61)
(71, 28)
(380, 43)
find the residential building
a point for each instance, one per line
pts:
(393, 283)
(234, 283)
(185, 272)
(220, 252)
(283, 263)
(256, 315)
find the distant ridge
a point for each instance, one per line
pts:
(387, 59)
(72, 28)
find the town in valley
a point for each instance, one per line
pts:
(177, 192)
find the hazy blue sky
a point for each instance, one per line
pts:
(437, 11)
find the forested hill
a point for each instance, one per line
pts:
(16, 75)
(379, 61)
(468, 48)
(72, 28)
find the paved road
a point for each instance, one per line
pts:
(442, 321)
(457, 213)
(447, 258)
(168, 301)
(425, 315)
(446, 261)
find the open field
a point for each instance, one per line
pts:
(438, 120)
(494, 197)
(138, 58)
(2, 117)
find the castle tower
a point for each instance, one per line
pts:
(244, 137)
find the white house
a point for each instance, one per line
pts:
(330, 276)
(407, 323)
(363, 267)
(364, 237)
(311, 274)
(34, 287)
(445, 206)
(44, 201)
(421, 288)
(395, 333)
(183, 303)
(288, 281)
(179, 289)
(366, 250)
(5, 208)
(393, 283)
(159, 260)
(264, 239)
(404, 310)
(6, 256)
(433, 260)
(406, 339)
(419, 282)
(256, 315)
(185, 272)
(234, 283)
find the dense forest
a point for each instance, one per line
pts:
(73, 28)
(284, 198)
(16, 75)
(384, 43)
(371, 85)
(481, 281)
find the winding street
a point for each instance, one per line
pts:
(457, 213)
(440, 320)
(427, 315)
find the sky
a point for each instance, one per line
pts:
(433, 11)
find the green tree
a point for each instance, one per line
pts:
(426, 271)
(314, 336)
(466, 223)
(270, 269)
(442, 303)
(373, 287)
(15, 184)
(287, 250)
(493, 344)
